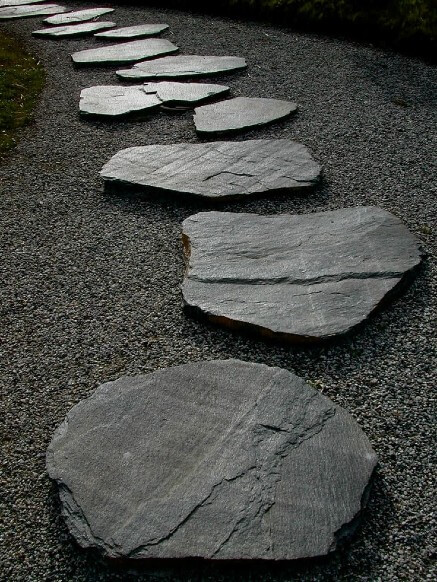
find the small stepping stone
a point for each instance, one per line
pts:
(221, 460)
(239, 114)
(29, 11)
(218, 170)
(171, 93)
(4, 3)
(295, 277)
(137, 31)
(114, 101)
(78, 16)
(73, 30)
(183, 66)
(125, 52)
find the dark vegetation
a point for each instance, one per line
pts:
(21, 80)
(409, 25)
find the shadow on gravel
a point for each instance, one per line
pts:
(398, 79)
(376, 520)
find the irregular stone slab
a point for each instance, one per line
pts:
(240, 113)
(172, 93)
(137, 31)
(78, 16)
(183, 66)
(114, 100)
(29, 11)
(125, 52)
(220, 460)
(296, 277)
(4, 3)
(218, 170)
(73, 30)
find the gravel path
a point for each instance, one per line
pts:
(90, 284)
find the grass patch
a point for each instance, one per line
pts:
(21, 81)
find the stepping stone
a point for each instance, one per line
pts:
(171, 93)
(4, 3)
(240, 113)
(295, 277)
(221, 460)
(218, 170)
(183, 66)
(78, 16)
(28, 11)
(125, 52)
(137, 31)
(114, 100)
(73, 30)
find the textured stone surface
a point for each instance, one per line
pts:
(221, 460)
(114, 100)
(299, 277)
(133, 31)
(125, 52)
(172, 93)
(28, 11)
(73, 30)
(4, 3)
(183, 66)
(78, 16)
(217, 170)
(240, 113)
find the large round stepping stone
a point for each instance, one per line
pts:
(240, 113)
(137, 31)
(73, 30)
(296, 277)
(114, 100)
(29, 11)
(219, 170)
(125, 52)
(220, 460)
(183, 66)
(4, 3)
(78, 16)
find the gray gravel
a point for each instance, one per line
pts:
(91, 284)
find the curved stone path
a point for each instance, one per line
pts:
(131, 241)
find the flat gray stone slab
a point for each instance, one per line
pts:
(114, 100)
(219, 460)
(183, 66)
(295, 277)
(29, 11)
(218, 170)
(124, 52)
(73, 30)
(171, 93)
(4, 3)
(137, 31)
(239, 114)
(78, 16)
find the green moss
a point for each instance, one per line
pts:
(21, 81)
